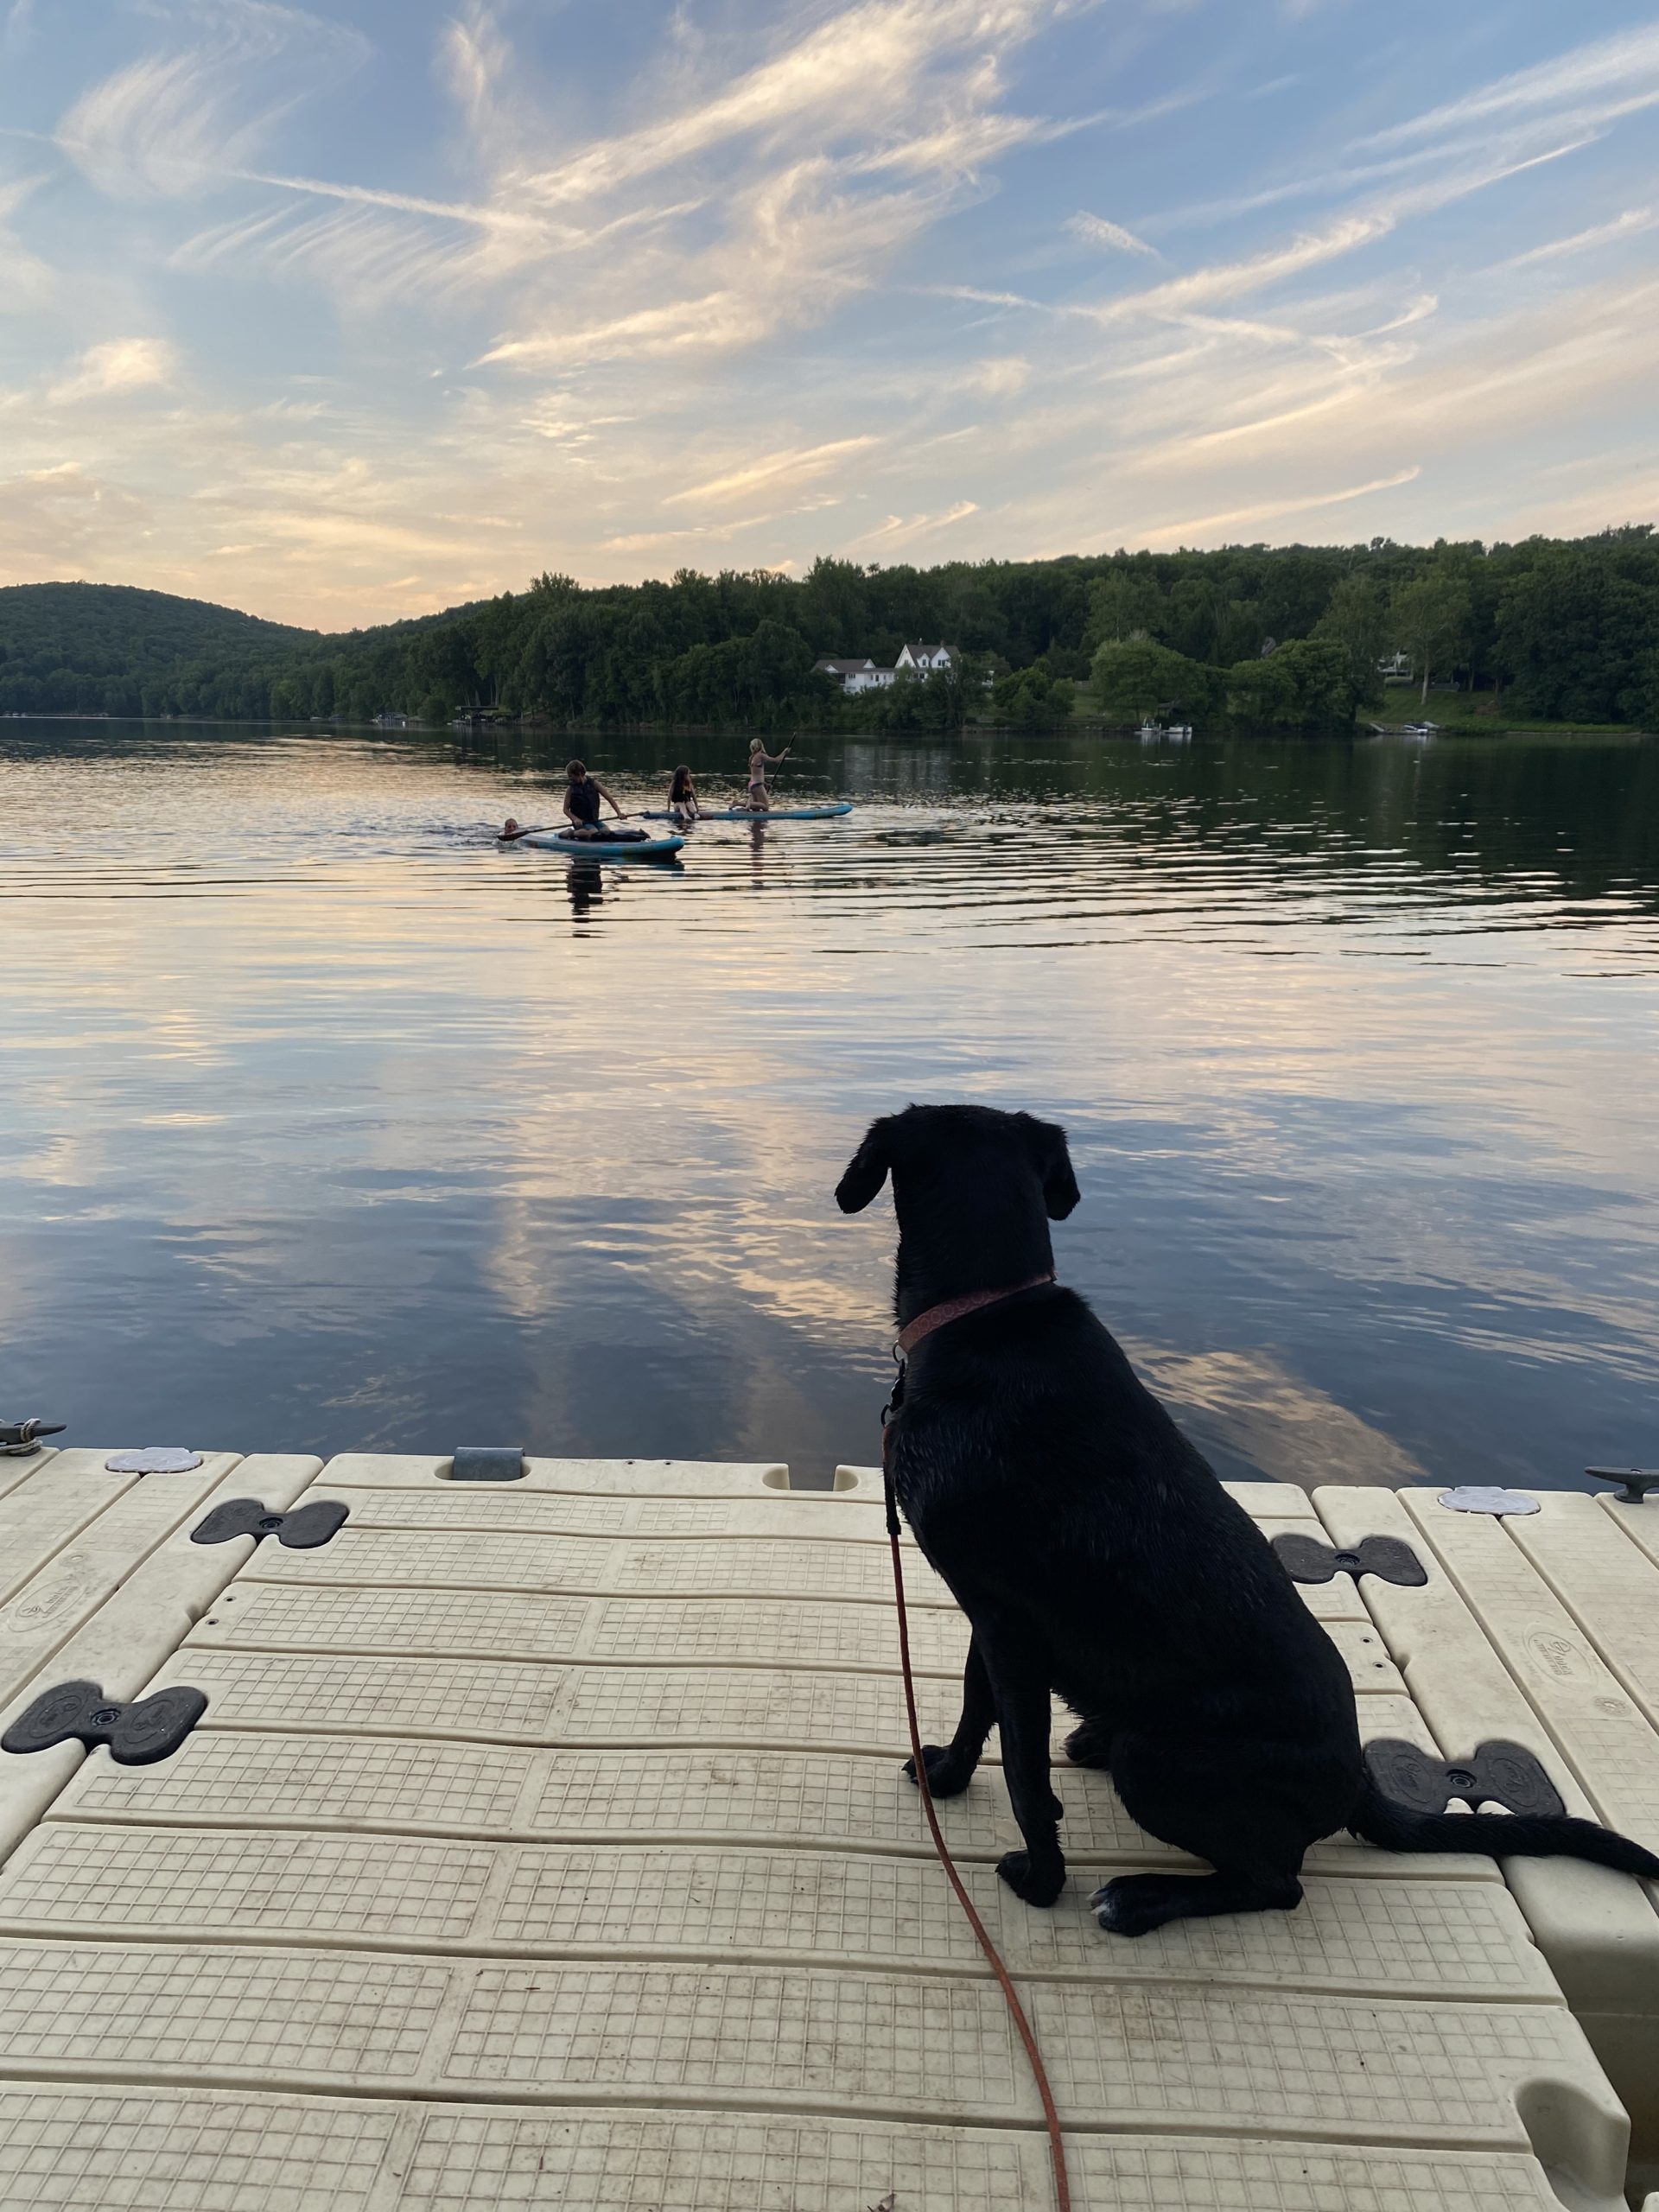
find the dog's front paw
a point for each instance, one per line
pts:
(1037, 1885)
(946, 1776)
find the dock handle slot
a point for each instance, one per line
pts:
(486, 1463)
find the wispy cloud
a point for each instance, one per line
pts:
(1096, 229)
(1201, 526)
(901, 530)
(1256, 273)
(794, 467)
(1626, 64)
(883, 64)
(25, 281)
(168, 124)
(1630, 223)
(119, 365)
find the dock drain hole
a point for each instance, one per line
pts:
(1579, 2144)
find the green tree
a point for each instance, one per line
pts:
(1431, 618)
(1124, 603)
(1576, 630)
(1356, 618)
(1030, 698)
(1137, 677)
(1303, 685)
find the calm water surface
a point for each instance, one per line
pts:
(324, 1123)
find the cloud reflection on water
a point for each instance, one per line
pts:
(338, 1127)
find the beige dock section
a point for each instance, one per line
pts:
(545, 1844)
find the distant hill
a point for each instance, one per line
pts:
(98, 647)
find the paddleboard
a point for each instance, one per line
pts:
(768, 814)
(603, 848)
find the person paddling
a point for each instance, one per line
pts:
(683, 802)
(581, 798)
(760, 761)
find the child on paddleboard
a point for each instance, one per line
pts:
(760, 761)
(582, 795)
(683, 802)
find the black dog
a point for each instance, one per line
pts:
(1096, 1556)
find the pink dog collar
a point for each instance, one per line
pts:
(952, 1309)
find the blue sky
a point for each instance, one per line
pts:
(349, 312)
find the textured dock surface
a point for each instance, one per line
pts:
(545, 1844)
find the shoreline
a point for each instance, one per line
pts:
(1077, 726)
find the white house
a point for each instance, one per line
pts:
(854, 675)
(922, 660)
(918, 661)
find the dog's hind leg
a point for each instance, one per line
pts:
(1249, 1807)
(1133, 1905)
(951, 1767)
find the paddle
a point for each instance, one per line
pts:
(541, 829)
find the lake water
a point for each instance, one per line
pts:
(325, 1123)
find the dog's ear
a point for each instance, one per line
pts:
(1060, 1192)
(867, 1171)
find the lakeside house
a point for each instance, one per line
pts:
(854, 675)
(916, 661)
(926, 660)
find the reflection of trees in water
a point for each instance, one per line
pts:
(1580, 815)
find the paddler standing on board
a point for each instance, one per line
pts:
(760, 761)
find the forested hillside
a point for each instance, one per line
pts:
(108, 648)
(1563, 629)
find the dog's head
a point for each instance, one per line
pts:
(975, 1158)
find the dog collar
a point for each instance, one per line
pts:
(952, 1309)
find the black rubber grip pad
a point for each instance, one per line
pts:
(1391, 1559)
(300, 1531)
(137, 1734)
(1499, 1774)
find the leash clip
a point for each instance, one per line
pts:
(896, 1396)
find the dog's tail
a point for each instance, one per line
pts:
(1379, 1819)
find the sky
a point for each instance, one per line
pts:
(353, 311)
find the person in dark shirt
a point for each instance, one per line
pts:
(581, 798)
(682, 801)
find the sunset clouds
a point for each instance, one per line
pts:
(355, 311)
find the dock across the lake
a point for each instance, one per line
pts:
(544, 1843)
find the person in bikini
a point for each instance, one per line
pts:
(760, 761)
(582, 795)
(682, 801)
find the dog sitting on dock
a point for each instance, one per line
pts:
(1096, 1556)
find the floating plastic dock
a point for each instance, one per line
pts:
(542, 1842)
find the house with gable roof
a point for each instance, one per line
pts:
(917, 661)
(924, 660)
(854, 674)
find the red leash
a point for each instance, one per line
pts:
(1050, 2117)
